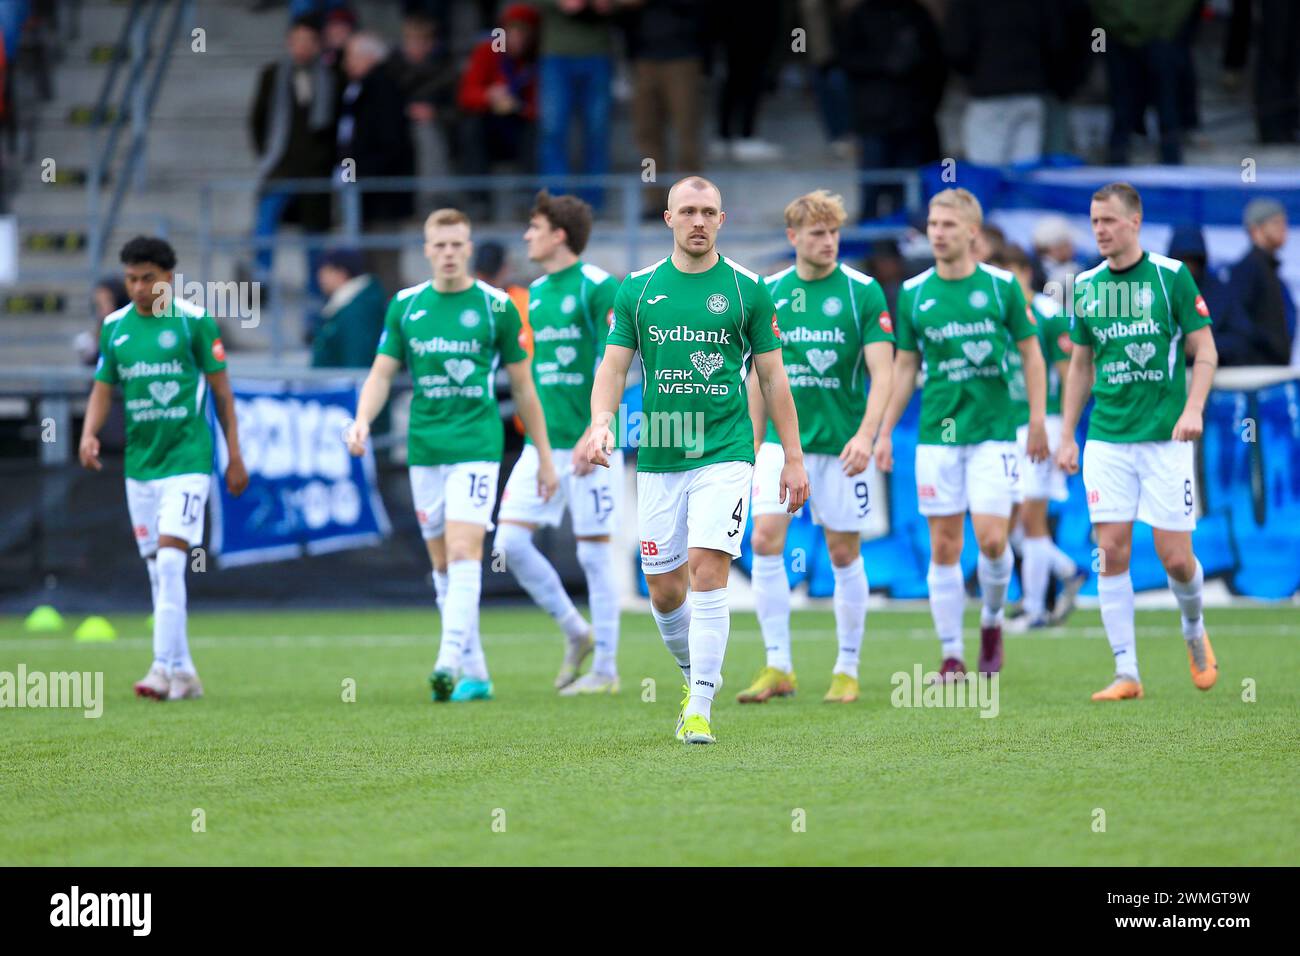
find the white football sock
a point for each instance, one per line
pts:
(947, 602)
(994, 576)
(850, 603)
(161, 655)
(675, 627)
(1016, 538)
(459, 612)
(597, 560)
(710, 625)
(440, 588)
(170, 614)
(536, 576)
(1035, 572)
(772, 605)
(1115, 595)
(1063, 566)
(1189, 602)
(473, 663)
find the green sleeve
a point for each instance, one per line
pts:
(106, 368)
(1019, 319)
(602, 310)
(391, 342)
(208, 350)
(623, 331)
(1080, 334)
(1189, 305)
(1054, 326)
(904, 334)
(509, 332)
(874, 319)
(760, 321)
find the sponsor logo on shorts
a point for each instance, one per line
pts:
(1094, 497)
(649, 548)
(421, 516)
(926, 491)
(141, 532)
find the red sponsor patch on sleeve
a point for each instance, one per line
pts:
(1201, 308)
(609, 319)
(1063, 340)
(1029, 314)
(776, 329)
(886, 323)
(218, 350)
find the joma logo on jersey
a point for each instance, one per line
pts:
(439, 344)
(150, 370)
(952, 330)
(681, 333)
(801, 334)
(557, 333)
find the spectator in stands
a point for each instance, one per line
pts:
(498, 100)
(1187, 244)
(989, 242)
(292, 124)
(1259, 325)
(353, 317)
(1054, 252)
(1277, 63)
(666, 43)
(1145, 56)
(109, 296)
(1005, 51)
(373, 135)
(428, 79)
(886, 266)
(340, 27)
(829, 83)
(893, 55)
(576, 71)
(492, 265)
(747, 60)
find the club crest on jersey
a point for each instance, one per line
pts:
(822, 359)
(978, 299)
(568, 304)
(1140, 352)
(164, 392)
(706, 363)
(469, 318)
(717, 303)
(166, 339)
(977, 352)
(565, 354)
(458, 369)
(832, 307)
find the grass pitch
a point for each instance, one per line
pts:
(286, 772)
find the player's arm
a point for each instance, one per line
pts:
(1204, 357)
(1075, 390)
(97, 409)
(223, 399)
(757, 414)
(611, 379)
(1035, 369)
(374, 395)
(529, 407)
(856, 455)
(906, 364)
(780, 406)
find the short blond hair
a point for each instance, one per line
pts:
(963, 200)
(695, 182)
(446, 217)
(1125, 193)
(818, 206)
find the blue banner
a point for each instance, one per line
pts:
(306, 494)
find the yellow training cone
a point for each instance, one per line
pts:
(43, 620)
(96, 628)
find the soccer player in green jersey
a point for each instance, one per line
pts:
(452, 331)
(697, 318)
(835, 330)
(1041, 481)
(165, 354)
(569, 309)
(961, 316)
(1138, 321)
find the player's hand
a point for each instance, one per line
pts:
(856, 455)
(548, 480)
(580, 465)
(356, 436)
(599, 445)
(89, 453)
(236, 476)
(1036, 446)
(884, 452)
(1189, 426)
(1067, 456)
(794, 486)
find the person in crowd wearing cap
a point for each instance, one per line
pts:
(1187, 244)
(1258, 327)
(353, 317)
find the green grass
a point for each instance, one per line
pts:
(287, 773)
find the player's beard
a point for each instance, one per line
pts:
(713, 241)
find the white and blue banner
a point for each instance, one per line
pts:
(306, 494)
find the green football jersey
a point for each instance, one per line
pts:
(160, 363)
(1134, 321)
(1052, 325)
(452, 342)
(963, 328)
(569, 312)
(825, 324)
(696, 333)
